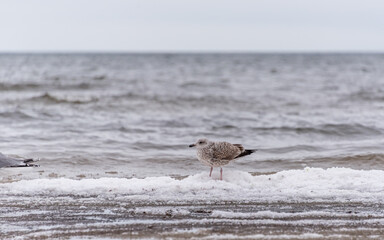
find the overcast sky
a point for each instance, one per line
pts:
(192, 25)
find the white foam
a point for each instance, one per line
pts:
(309, 184)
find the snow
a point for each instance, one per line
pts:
(309, 184)
(262, 236)
(283, 215)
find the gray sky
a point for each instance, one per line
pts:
(191, 25)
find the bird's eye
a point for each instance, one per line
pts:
(200, 142)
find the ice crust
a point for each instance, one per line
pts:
(309, 184)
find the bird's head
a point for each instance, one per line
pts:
(201, 143)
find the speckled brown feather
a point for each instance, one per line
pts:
(226, 151)
(217, 154)
(240, 147)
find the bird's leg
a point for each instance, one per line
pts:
(210, 173)
(221, 174)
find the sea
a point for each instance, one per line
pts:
(111, 132)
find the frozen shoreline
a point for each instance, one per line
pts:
(311, 203)
(117, 218)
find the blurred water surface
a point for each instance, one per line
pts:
(126, 115)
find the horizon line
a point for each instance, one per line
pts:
(193, 52)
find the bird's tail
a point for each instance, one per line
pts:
(246, 152)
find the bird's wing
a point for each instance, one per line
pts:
(226, 151)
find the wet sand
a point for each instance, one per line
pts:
(94, 217)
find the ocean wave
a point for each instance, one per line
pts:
(50, 98)
(288, 149)
(18, 86)
(307, 185)
(182, 100)
(33, 86)
(224, 127)
(223, 84)
(370, 160)
(367, 95)
(16, 114)
(326, 129)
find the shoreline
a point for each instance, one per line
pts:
(89, 218)
(312, 203)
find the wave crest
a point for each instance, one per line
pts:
(341, 130)
(49, 98)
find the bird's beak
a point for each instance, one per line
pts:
(192, 145)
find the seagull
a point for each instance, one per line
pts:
(218, 154)
(14, 162)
